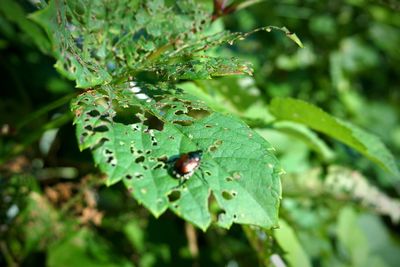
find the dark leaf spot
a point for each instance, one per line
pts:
(101, 129)
(139, 159)
(158, 166)
(227, 195)
(178, 112)
(153, 122)
(174, 196)
(94, 113)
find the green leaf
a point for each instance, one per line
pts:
(317, 119)
(14, 12)
(354, 240)
(71, 62)
(96, 42)
(293, 37)
(287, 239)
(133, 139)
(83, 248)
(307, 136)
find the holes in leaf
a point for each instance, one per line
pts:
(110, 159)
(152, 122)
(128, 176)
(108, 152)
(139, 159)
(228, 195)
(128, 115)
(153, 141)
(158, 166)
(179, 112)
(212, 148)
(162, 159)
(174, 196)
(135, 127)
(234, 216)
(208, 173)
(197, 113)
(229, 179)
(101, 129)
(138, 175)
(94, 113)
(105, 117)
(183, 122)
(208, 126)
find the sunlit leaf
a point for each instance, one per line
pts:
(317, 119)
(133, 138)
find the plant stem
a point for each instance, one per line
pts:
(55, 104)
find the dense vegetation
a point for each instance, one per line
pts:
(295, 106)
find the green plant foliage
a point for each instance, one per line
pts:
(96, 186)
(84, 249)
(309, 137)
(317, 119)
(354, 239)
(287, 239)
(239, 169)
(15, 13)
(123, 38)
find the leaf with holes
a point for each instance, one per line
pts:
(97, 42)
(136, 131)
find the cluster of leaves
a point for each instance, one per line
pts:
(149, 72)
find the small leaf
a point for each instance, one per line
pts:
(293, 37)
(317, 119)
